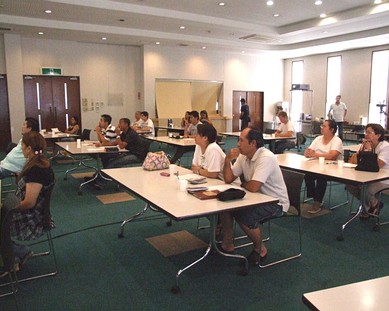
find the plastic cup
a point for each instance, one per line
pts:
(183, 183)
(321, 160)
(340, 163)
(172, 169)
(273, 135)
(78, 143)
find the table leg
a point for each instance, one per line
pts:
(121, 233)
(212, 244)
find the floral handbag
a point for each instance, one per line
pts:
(367, 159)
(156, 161)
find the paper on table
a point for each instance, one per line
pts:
(349, 165)
(96, 149)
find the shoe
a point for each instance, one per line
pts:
(254, 258)
(24, 260)
(226, 251)
(376, 209)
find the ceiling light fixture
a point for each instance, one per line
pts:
(318, 2)
(323, 15)
(103, 38)
(182, 27)
(41, 33)
(276, 15)
(269, 2)
(243, 52)
(48, 11)
(222, 4)
(204, 47)
(157, 43)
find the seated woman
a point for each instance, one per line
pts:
(73, 128)
(208, 159)
(375, 134)
(330, 147)
(204, 117)
(185, 119)
(34, 181)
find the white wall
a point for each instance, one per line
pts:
(237, 71)
(355, 80)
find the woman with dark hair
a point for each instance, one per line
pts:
(73, 128)
(204, 117)
(375, 135)
(330, 147)
(185, 119)
(33, 183)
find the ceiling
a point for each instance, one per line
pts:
(239, 25)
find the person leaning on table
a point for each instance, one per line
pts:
(259, 171)
(330, 147)
(375, 134)
(208, 159)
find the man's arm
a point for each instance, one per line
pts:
(229, 176)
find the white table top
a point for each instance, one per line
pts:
(330, 168)
(52, 135)
(86, 147)
(361, 296)
(174, 128)
(163, 192)
(173, 141)
(265, 136)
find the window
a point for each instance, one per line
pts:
(334, 65)
(379, 87)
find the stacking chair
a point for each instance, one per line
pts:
(85, 135)
(380, 195)
(293, 181)
(7, 252)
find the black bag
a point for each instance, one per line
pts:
(367, 160)
(231, 194)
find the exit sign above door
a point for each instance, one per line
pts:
(51, 71)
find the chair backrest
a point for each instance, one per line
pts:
(300, 139)
(85, 134)
(293, 181)
(47, 221)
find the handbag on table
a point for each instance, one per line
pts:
(367, 160)
(156, 161)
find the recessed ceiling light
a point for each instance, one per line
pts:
(269, 2)
(318, 2)
(222, 4)
(204, 47)
(48, 11)
(104, 38)
(41, 33)
(243, 52)
(182, 27)
(276, 15)
(157, 43)
(323, 15)
(377, 1)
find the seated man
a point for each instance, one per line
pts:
(136, 145)
(105, 131)
(15, 160)
(190, 131)
(260, 172)
(138, 121)
(146, 124)
(286, 129)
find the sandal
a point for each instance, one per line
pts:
(376, 209)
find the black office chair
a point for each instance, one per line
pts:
(85, 134)
(7, 251)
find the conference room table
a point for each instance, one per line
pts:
(370, 295)
(162, 193)
(178, 130)
(330, 170)
(86, 149)
(52, 137)
(268, 138)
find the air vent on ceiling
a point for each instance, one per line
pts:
(183, 44)
(257, 38)
(5, 29)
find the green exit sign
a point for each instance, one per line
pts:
(51, 71)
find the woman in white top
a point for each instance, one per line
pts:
(330, 147)
(208, 159)
(375, 134)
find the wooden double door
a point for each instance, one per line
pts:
(255, 101)
(5, 126)
(52, 100)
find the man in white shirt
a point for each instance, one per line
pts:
(147, 124)
(259, 171)
(286, 129)
(338, 110)
(138, 121)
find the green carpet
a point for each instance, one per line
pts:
(99, 271)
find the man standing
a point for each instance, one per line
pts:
(244, 114)
(259, 171)
(105, 131)
(286, 129)
(338, 111)
(15, 160)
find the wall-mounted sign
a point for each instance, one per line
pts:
(51, 71)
